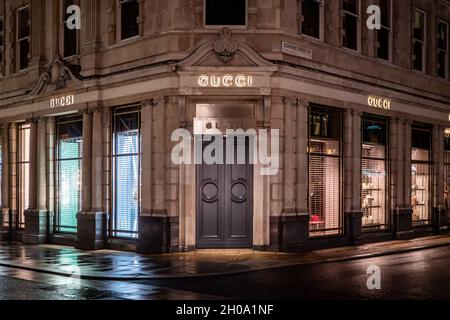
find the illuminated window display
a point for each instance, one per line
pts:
(374, 173)
(23, 170)
(69, 162)
(447, 167)
(126, 182)
(325, 172)
(421, 175)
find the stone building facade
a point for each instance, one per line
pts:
(87, 118)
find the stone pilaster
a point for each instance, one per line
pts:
(439, 212)
(290, 231)
(5, 225)
(154, 223)
(36, 216)
(90, 36)
(400, 152)
(352, 175)
(92, 221)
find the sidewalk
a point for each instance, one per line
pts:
(115, 265)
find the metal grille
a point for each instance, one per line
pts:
(126, 175)
(421, 186)
(324, 187)
(23, 174)
(69, 168)
(374, 187)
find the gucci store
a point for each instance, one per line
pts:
(94, 168)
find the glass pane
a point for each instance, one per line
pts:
(374, 131)
(126, 196)
(311, 18)
(418, 56)
(351, 32)
(126, 173)
(419, 24)
(129, 18)
(421, 139)
(225, 12)
(69, 178)
(383, 36)
(324, 195)
(325, 124)
(442, 36)
(385, 6)
(23, 27)
(24, 51)
(420, 193)
(374, 187)
(351, 6)
(442, 64)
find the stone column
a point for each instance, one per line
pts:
(439, 212)
(400, 153)
(5, 223)
(92, 221)
(36, 216)
(290, 231)
(352, 175)
(154, 223)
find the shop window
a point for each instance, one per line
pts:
(419, 41)
(70, 36)
(442, 49)
(225, 12)
(447, 168)
(23, 171)
(1, 171)
(129, 18)
(312, 18)
(126, 165)
(23, 33)
(2, 45)
(68, 165)
(384, 34)
(351, 29)
(374, 174)
(421, 170)
(325, 172)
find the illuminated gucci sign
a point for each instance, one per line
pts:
(225, 81)
(379, 103)
(62, 101)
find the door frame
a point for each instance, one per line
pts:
(227, 184)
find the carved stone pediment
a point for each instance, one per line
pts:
(58, 73)
(225, 52)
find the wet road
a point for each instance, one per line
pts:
(418, 275)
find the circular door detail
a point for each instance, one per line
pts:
(239, 191)
(210, 191)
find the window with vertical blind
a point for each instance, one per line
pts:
(69, 168)
(325, 160)
(374, 174)
(421, 174)
(126, 172)
(23, 173)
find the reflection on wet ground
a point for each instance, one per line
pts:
(61, 287)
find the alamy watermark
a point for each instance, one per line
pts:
(373, 277)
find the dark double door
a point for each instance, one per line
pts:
(225, 198)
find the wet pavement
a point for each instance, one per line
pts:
(115, 265)
(415, 275)
(19, 284)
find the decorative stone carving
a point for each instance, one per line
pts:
(56, 75)
(225, 47)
